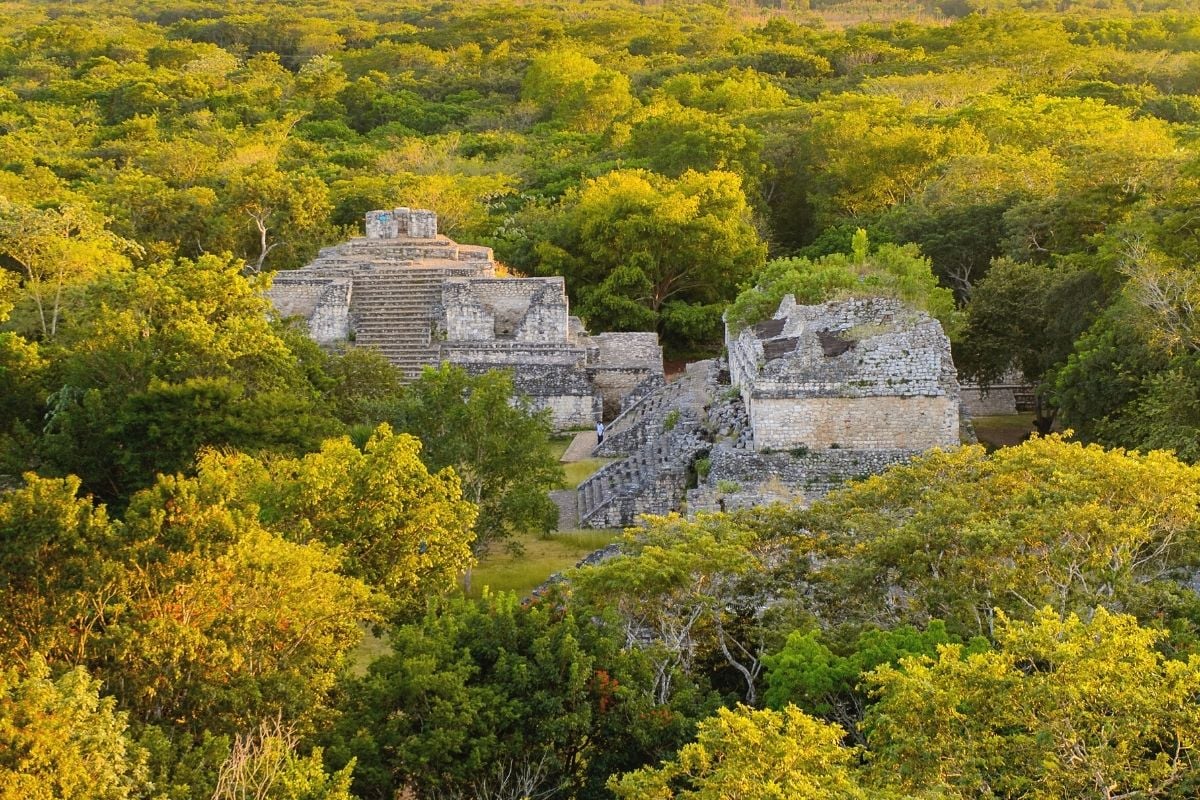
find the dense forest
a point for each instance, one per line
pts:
(202, 513)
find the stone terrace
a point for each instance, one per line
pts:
(422, 299)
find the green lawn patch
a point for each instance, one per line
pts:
(542, 557)
(579, 471)
(559, 444)
(370, 648)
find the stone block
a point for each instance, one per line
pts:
(422, 224)
(380, 225)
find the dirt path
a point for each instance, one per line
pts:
(580, 447)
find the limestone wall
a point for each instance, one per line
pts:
(521, 309)
(622, 363)
(1010, 394)
(740, 478)
(617, 385)
(491, 354)
(994, 400)
(865, 373)
(545, 318)
(862, 423)
(397, 222)
(568, 411)
(324, 305)
(564, 389)
(745, 354)
(465, 317)
(625, 349)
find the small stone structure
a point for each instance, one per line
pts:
(421, 299)
(1010, 394)
(814, 397)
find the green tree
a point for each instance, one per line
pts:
(633, 245)
(264, 763)
(399, 527)
(674, 139)
(480, 698)
(161, 361)
(766, 755)
(576, 91)
(1015, 319)
(807, 672)
(60, 740)
(286, 210)
(956, 535)
(690, 589)
(890, 271)
(225, 623)
(58, 559)
(498, 448)
(1063, 708)
(57, 250)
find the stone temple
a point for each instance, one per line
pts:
(805, 401)
(421, 299)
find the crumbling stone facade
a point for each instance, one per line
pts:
(862, 374)
(808, 400)
(421, 299)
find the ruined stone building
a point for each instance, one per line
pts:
(862, 374)
(803, 402)
(421, 299)
(814, 397)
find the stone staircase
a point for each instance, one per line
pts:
(660, 436)
(395, 306)
(646, 419)
(651, 480)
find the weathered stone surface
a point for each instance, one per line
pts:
(863, 373)
(422, 299)
(325, 303)
(1009, 394)
(815, 397)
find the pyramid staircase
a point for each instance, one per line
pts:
(398, 291)
(660, 435)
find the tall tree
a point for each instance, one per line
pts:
(1062, 708)
(643, 251)
(498, 448)
(57, 250)
(957, 535)
(749, 753)
(60, 739)
(400, 528)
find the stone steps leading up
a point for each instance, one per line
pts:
(660, 436)
(651, 480)
(394, 306)
(647, 418)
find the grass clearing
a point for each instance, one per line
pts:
(559, 444)
(370, 648)
(503, 572)
(579, 471)
(542, 557)
(1004, 430)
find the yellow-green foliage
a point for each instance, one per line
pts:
(771, 755)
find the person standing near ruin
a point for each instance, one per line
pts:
(599, 432)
